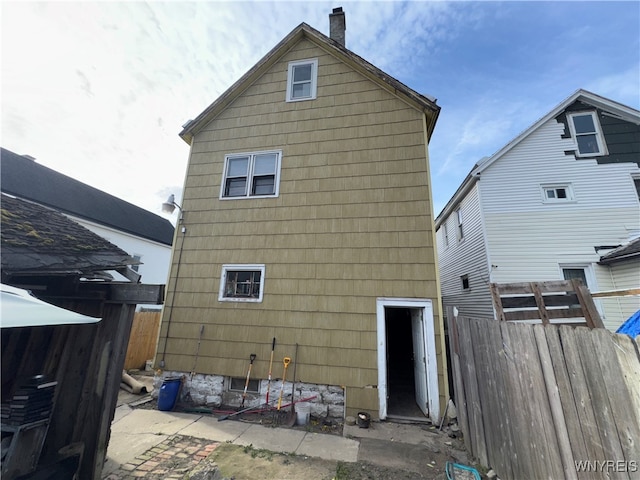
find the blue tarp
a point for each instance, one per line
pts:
(632, 326)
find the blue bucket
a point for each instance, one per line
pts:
(169, 394)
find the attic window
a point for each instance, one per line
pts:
(301, 80)
(587, 133)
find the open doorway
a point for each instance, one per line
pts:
(401, 364)
(407, 368)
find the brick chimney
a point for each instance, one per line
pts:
(337, 25)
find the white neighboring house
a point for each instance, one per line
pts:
(142, 234)
(548, 206)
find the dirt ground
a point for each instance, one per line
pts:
(246, 463)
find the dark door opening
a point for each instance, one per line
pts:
(401, 393)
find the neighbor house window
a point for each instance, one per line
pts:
(459, 220)
(136, 258)
(636, 182)
(587, 133)
(557, 193)
(251, 175)
(243, 283)
(302, 80)
(465, 282)
(445, 234)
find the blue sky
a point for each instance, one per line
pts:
(99, 90)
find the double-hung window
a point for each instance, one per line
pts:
(587, 134)
(241, 283)
(302, 80)
(459, 222)
(251, 175)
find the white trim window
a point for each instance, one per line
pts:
(636, 184)
(302, 77)
(557, 193)
(249, 175)
(459, 224)
(241, 283)
(445, 233)
(587, 133)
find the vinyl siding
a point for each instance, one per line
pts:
(467, 257)
(352, 223)
(528, 239)
(619, 276)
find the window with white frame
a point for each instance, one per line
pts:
(557, 193)
(302, 80)
(636, 183)
(445, 234)
(459, 220)
(585, 129)
(251, 175)
(241, 283)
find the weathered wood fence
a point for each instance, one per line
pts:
(546, 401)
(143, 339)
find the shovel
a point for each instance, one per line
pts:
(291, 420)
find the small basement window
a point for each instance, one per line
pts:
(302, 78)
(241, 283)
(465, 282)
(236, 384)
(585, 129)
(557, 193)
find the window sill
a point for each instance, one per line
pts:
(252, 197)
(240, 300)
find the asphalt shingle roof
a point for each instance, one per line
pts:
(39, 240)
(25, 178)
(631, 249)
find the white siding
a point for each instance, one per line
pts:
(155, 257)
(466, 257)
(528, 239)
(619, 276)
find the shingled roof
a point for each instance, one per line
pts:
(25, 178)
(39, 241)
(624, 252)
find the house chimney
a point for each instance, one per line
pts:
(337, 25)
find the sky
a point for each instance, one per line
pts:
(100, 90)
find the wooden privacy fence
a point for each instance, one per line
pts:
(143, 339)
(546, 401)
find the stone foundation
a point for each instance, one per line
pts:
(213, 390)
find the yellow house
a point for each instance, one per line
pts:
(307, 217)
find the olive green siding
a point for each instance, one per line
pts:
(352, 222)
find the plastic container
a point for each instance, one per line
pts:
(363, 419)
(168, 394)
(303, 412)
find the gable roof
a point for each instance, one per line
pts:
(421, 102)
(25, 178)
(618, 109)
(39, 241)
(623, 252)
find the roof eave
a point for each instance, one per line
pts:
(625, 112)
(426, 105)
